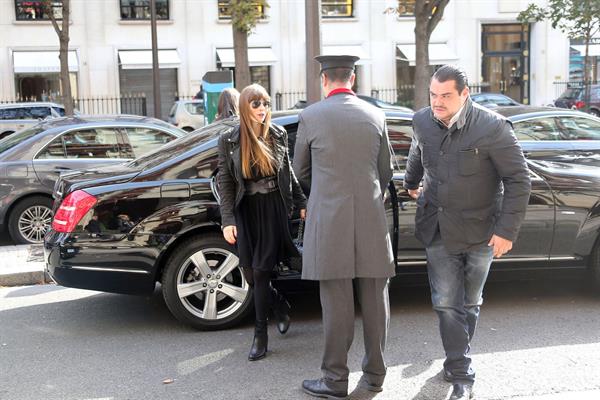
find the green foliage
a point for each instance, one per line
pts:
(579, 19)
(246, 13)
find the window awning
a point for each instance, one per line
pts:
(42, 61)
(142, 59)
(439, 53)
(594, 50)
(256, 56)
(350, 50)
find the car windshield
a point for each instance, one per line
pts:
(11, 141)
(571, 93)
(178, 147)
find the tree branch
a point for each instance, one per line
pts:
(436, 15)
(47, 5)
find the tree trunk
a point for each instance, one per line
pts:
(240, 49)
(63, 53)
(422, 70)
(65, 80)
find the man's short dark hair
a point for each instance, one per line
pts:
(452, 73)
(341, 75)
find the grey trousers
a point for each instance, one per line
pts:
(337, 302)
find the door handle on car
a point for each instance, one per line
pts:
(61, 169)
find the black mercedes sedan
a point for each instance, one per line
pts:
(32, 159)
(156, 219)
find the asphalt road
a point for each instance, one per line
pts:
(58, 343)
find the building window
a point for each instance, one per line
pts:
(225, 9)
(140, 9)
(406, 8)
(28, 10)
(337, 8)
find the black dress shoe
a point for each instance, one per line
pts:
(461, 391)
(319, 388)
(371, 387)
(260, 342)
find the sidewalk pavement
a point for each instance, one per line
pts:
(585, 395)
(22, 265)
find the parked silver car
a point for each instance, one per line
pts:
(187, 114)
(17, 116)
(32, 159)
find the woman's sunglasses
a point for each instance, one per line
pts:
(256, 103)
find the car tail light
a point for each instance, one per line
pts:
(71, 210)
(580, 104)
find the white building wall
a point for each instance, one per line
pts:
(98, 33)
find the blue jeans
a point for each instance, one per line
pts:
(457, 282)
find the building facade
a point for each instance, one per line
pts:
(110, 47)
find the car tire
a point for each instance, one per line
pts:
(30, 219)
(594, 266)
(594, 112)
(203, 284)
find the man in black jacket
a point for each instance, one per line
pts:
(475, 192)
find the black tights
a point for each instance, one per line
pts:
(262, 293)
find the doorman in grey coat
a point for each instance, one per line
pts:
(343, 160)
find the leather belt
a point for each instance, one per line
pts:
(262, 186)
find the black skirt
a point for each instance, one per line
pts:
(263, 232)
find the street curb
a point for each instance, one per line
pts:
(25, 278)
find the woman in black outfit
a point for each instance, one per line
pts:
(258, 190)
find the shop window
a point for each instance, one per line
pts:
(39, 86)
(140, 9)
(258, 74)
(30, 10)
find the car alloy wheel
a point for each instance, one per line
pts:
(211, 285)
(34, 222)
(30, 219)
(203, 283)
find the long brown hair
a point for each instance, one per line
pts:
(254, 145)
(228, 104)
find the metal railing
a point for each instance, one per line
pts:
(561, 86)
(403, 95)
(134, 104)
(131, 104)
(287, 100)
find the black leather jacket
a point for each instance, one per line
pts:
(231, 181)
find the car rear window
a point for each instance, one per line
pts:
(571, 93)
(11, 141)
(179, 146)
(195, 108)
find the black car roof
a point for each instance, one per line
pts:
(49, 128)
(516, 113)
(108, 119)
(291, 116)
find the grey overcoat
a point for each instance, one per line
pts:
(342, 158)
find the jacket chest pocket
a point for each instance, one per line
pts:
(468, 162)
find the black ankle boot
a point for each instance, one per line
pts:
(281, 310)
(260, 342)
